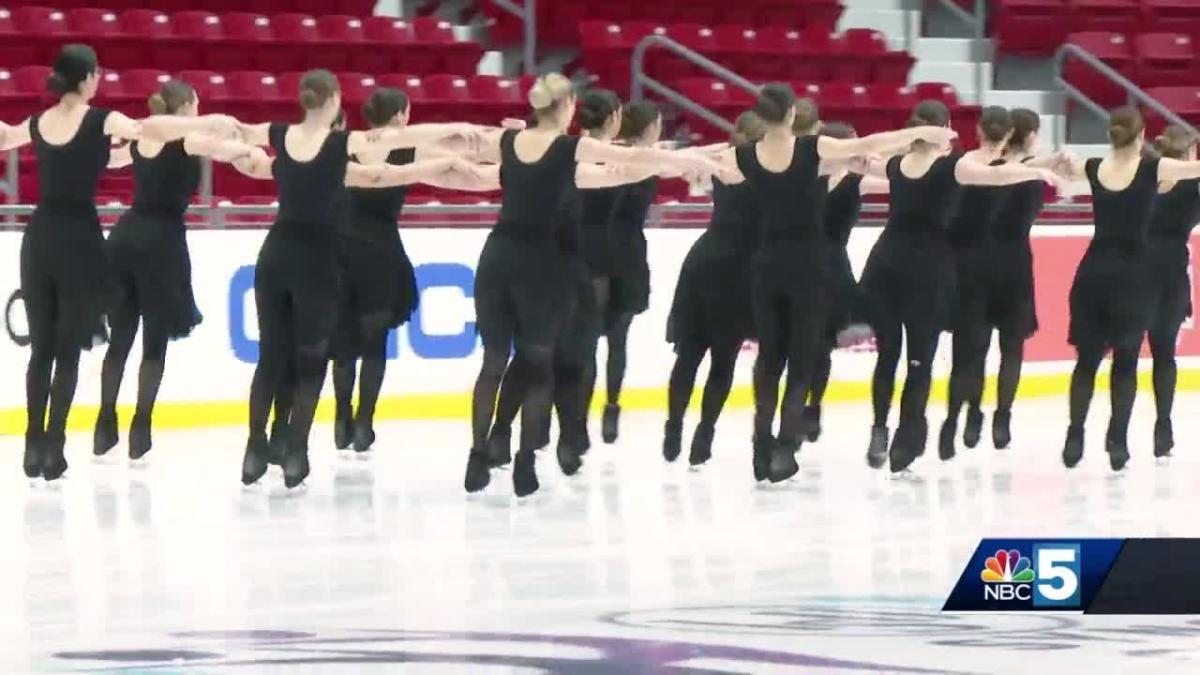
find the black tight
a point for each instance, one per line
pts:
(124, 323)
(1012, 356)
(820, 376)
(921, 347)
(786, 339)
(716, 390)
(969, 348)
(370, 380)
(53, 369)
(616, 334)
(483, 399)
(1163, 336)
(1123, 384)
(302, 357)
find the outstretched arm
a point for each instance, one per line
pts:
(167, 128)
(255, 165)
(219, 149)
(1175, 170)
(871, 185)
(592, 151)
(14, 137)
(393, 175)
(969, 172)
(120, 157)
(884, 143)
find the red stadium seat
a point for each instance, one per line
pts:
(1165, 59)
(101, 29)
(457, 56)
(356, 87)
(31, 79)
(12, 49)
(1180, 16)
(1121, 16)
(499, 96)
(409, 84)
(937, 91)
(1183, 101)
(252, 35)
(16, 102)
(299, 33)
(43, 29)
(142, 82)
(210, 86)
(257, 93)
(1111, 48)
(1029, 27)
(391, 39)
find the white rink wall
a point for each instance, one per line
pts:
(437, 354)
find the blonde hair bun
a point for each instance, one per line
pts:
(157, 104)
(548, 90)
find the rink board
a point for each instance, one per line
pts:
(435, 358)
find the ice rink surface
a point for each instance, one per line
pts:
(382, 564)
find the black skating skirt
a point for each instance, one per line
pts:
(792, 288)
(297, 278)
(378, 289)
(909, 280)
(153, 269)
(845, 292)
(576, 345)
(1011, 298)
(1110, 297)
(66, 278)
(713, 303)
(524, 292)
(629, 280)
(1170, 285)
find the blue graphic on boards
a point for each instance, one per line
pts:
(422, 344)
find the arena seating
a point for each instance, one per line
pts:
(564, 22)
(1038, 27)
(1148, 59)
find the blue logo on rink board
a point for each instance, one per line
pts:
(424, 345)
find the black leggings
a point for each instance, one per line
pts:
(969, 364)
(716, 390)
(53, 369)
(921, 347)
(1123, 385)
(616, 334)
(294, 331)
(1163, 335)
(124, 323)
(374, 363)
(787, 339)
(820, 376)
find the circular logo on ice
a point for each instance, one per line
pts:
(354, 650)
(15, 321)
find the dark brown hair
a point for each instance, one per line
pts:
(1174, 142)
(383, 105)
(775, 101)
(994, 123)
(749, 128)
(928, 113)
(596, 107)
(636, 118)
(808, 117)
(838, 130)
(1125, 124)
(72, 66)
(316, 88)
(1025, 123)
(170, 97)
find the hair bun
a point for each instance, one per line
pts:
(157, 104)
(539, 96)
(57, 84)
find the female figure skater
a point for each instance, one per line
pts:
(583, 235)
(1111, 297)
(969, 237)
(625, 292)
(792, 286)
(712, 309)
(65, 275)
(1175, 214)
(843, 204)
(149, 254)
(379, 288)
(908, 281)
(1009, 280)
(296, 277)
(523, 295)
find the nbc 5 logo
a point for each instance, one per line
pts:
(1050, 579)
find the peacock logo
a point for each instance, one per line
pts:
(1007, 567)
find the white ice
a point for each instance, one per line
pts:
(381, 563)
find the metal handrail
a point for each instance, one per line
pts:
(1132, 91)
(527, 13)
(639, 80)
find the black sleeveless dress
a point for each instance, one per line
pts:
(1110, 297)
(1175, 214)
(297, 264)
(629, 271)
(843, 206)
(909, 275)
(793, 265)
(713, 303)
(148, 246)
(66, 278)
(577, 343)
(522, 288)
(596, 213)
(1012, 307)
(969, 236)
(379, 287)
